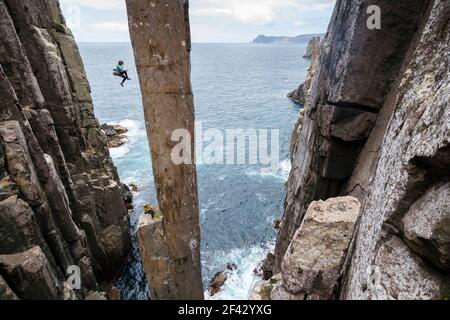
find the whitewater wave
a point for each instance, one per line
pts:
(135, 130)
(281, 173)
(133, 126)
(241, 280)
(120, 152)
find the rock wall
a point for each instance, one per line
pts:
(377, 127)
(60, 195)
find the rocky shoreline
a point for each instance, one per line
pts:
(115, 135)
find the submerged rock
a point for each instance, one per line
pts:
(115, 135)
(217, 282)
(276, 223)
(134, 187)
(232, 266)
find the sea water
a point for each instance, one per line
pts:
(236, 86)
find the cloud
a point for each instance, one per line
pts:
(255, 11)
(96, 4)
(110, 26)
(211, 20)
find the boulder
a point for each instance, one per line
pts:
(312, 264)
(120, 129)
(216, 283)
(116, 141)
(108, 130)
(115, 135)
(30, 275)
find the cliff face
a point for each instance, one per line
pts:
(302, 93)
(60, 195)
(377, 127)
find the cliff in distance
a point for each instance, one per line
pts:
(375, 127)
(301, 39)
(301, 94)
(61, 202)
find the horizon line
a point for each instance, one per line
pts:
(197, 42)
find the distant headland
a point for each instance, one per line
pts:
(301, 39)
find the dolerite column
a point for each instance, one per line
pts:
(170, 248)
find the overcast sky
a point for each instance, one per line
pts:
(211, 20)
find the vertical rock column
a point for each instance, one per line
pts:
(161, 40)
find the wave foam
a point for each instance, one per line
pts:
(117, 153)
(134, 127)
(240, 281)
(282, 172)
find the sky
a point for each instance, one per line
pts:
(229, 21)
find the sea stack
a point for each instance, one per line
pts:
(161, 41)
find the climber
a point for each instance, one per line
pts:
(120, 72)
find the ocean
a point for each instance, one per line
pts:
(236, 86)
